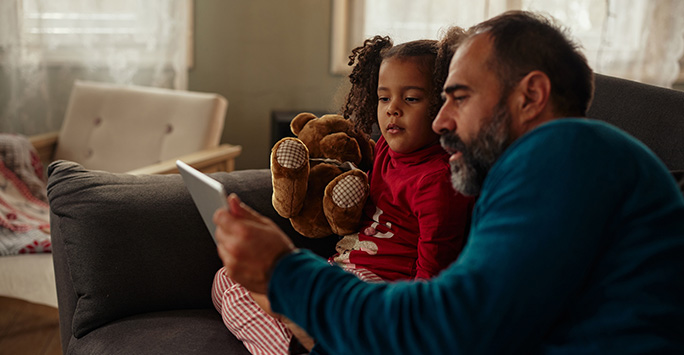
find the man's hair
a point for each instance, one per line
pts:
(525, 41)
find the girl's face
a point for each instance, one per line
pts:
(404, 98)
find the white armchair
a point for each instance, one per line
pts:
(131, 129)
(139, 130)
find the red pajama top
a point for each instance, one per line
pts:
(415, 224)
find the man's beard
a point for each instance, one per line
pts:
(469, 172)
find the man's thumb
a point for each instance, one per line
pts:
(241, 210)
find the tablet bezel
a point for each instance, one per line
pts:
(207, 193)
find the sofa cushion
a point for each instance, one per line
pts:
(136, 244)
(172, 332)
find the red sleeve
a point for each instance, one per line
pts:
(444, 220)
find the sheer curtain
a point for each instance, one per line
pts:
(45, 45)
(641, 40)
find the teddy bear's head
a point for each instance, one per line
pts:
(333, 137)
(311, 175)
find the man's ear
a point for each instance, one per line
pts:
(532, 101)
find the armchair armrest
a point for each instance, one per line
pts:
(221, 158)
(45, 144)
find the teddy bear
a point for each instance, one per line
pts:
(319, 179)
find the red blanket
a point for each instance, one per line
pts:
(24, 214)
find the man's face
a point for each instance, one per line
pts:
(475, 121)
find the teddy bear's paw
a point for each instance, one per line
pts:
(291, 153)
(344, 200)
(290, 173)
(349, 191)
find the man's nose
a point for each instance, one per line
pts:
(444, 122)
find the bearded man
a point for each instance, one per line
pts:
(576, 240)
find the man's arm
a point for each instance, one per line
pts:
(538, 228)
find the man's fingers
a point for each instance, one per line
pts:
(248, 244)
(239, 209)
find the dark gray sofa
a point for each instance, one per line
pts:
(134, 262)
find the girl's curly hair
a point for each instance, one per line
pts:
(363, 96)
(362, 100)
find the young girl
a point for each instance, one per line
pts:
(414, 223)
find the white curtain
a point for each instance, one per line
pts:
(641, 40)
(45, 45)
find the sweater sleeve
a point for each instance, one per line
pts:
(537, 229)
(443, 220)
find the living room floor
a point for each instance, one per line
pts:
(28, 328)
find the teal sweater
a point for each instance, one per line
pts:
(576, 246)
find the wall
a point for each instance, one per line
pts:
(264, 55)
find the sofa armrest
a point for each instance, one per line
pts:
(221, 158)
(127, 244)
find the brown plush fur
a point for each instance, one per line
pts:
(289, 187)
(304, 194)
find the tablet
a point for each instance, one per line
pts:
(207, 193)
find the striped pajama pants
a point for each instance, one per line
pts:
(261, 333)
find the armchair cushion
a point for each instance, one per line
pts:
(123, 127)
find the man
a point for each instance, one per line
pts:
(577, 238)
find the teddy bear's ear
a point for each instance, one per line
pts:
(299, 121)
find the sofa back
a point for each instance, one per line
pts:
(652, 114)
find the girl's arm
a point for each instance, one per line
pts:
(444, 219)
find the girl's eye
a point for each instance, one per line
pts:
(383, 99)
(412, 99)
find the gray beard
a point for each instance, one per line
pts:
(469, 172)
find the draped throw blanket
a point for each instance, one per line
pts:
(24, 212)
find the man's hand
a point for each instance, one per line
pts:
(249, 244)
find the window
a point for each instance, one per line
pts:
(641, 40)
(101, 33)
(45, 45)
(355, 20)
